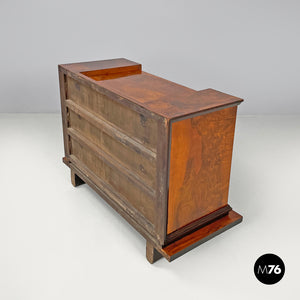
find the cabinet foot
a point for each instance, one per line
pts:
(75, 179)
(151, 253)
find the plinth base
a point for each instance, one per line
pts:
(189, 242)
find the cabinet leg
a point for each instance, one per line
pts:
(151, 253)
(76, 181)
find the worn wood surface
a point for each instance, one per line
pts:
(120, 152)
(141, 167)
(140, 127)
(117, 202)
(110, 130)
(121, 137)
(63, 88)
(200, 161)
(166, 98)
(155, 94)
(122, 185)
(152, 254)
(161, 202)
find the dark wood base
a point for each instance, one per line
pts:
(194, 239)
(151, 253)
(175, 249)
(75, 179)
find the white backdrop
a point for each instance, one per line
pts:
(246, 48)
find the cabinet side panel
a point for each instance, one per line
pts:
(200, 162)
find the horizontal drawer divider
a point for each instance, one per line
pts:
(134, 178)
(111, 130)
(107, 189)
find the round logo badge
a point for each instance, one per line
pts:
(269, 268)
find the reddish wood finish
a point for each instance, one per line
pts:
(200, 160)
(108, 65)
(166, 98)
(195, 225)
(113, 73)
(158, 95)
(200, 236)
(158, 152)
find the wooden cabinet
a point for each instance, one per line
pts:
(159, 153)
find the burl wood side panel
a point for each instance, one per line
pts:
(200, 161)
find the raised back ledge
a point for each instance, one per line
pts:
(108, 65)
(165, 98)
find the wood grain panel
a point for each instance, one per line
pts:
(167, 98)
(144, 167)
(101, 65)
(136, 125)
(140, 200)
(158, 152)
(119, 203)
(112, 73)
(111, 130)
(200, 160)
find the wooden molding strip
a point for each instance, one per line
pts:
(189, 228)
(134, 178)
(113, 198)
(190, 241)
(111, 130)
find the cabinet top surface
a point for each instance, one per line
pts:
(161, 96)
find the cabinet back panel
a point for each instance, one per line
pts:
(135, 125)
(117, 181)
(144, 167)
